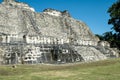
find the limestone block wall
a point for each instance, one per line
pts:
(86, 42)
(1, 55)
(1, 60)
(44, 40)
(32, 56)
(11, 38)
(63, 27)
(2, 38)
(103, 43)
(54, 13)
(90, 53)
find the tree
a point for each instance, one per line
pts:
(114, 11)
(109, 37)
(100, 36)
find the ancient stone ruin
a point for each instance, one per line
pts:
(52, 36)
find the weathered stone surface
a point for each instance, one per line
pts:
(21, 26)
(90, 53)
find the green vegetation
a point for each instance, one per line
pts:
(114, 20)
(113, 36)
(114, 12)
(101, 70)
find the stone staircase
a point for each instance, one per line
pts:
(33, 22)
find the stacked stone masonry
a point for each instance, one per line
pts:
(52, 36)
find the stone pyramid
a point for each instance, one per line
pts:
(22, 20)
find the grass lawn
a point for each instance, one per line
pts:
(101, 70)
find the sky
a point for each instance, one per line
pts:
(92, 12)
